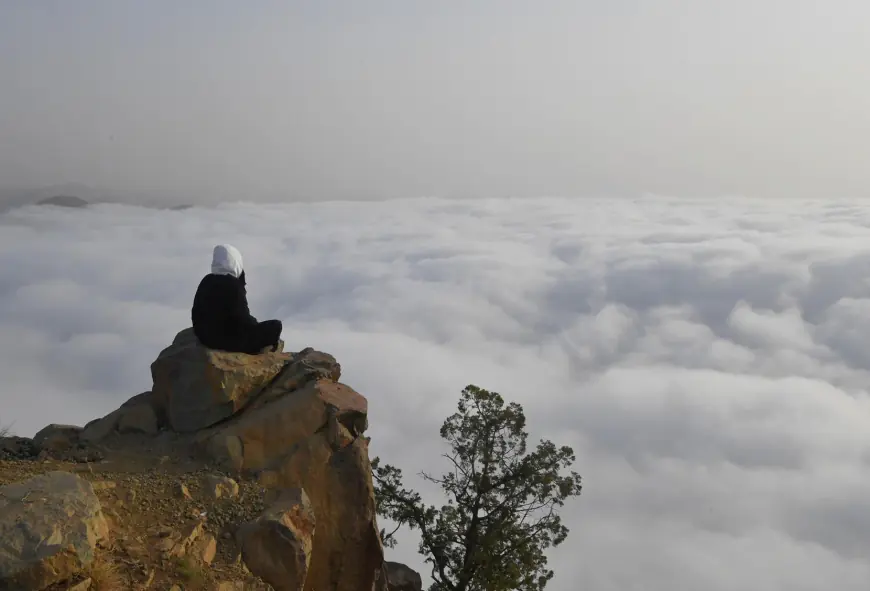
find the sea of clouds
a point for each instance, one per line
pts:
(709, 362)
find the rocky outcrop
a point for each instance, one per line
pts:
(304, 431)
(17, 448)
(190, 541)
(57, 438)
(64, 442)
(49, 527)
(139, 418)
(196, 387)
(268, 432)
(137, 415)
(347, 553)
(285, 420)
(274, 422)
(402, 578)
(277, 545)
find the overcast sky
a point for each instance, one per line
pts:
(708, 362)
(219, 99)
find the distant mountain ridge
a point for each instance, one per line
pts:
(64, 201)
(75, 195)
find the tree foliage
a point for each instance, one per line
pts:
(502, 508)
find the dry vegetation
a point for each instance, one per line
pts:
(139, 497)
(105, 575)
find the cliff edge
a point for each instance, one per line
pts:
(234, 472)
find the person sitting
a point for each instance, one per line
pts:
(220, 314)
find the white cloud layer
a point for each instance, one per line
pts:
(707, 361)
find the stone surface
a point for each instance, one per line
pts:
(261, 436)
(17, 448)
(181, 491)
(140, 418)
(299, 429)
(347, 554)
(139, 399)
(84, 585)
(57, 438)
(306, 366)
(203, 549)
(196, 387)
(277, 545)
(402, 578)
(49, 525)
(177, 543)
(137, 415)
(218, 486)
(103, 485)
(99, 429)
(227, 450)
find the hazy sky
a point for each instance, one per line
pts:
(344, 99)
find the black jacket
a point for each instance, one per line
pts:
(220, 314)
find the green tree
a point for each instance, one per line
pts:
(501, 513)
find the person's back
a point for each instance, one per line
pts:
(220, 315)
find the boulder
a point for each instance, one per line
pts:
(57, 438)
(334, 469)
(277, 545)
(308, 365)
(140, 418)
(137, 415)
(402, 578)
(50, 525)
(285, 420)
(204, 549)
(99, 429)
(181, 491)
(17, 448)
(217, 486)
(263, 435)
(196, 387)
(178, 543)
(303, 431)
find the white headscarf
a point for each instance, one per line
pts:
(226, 260)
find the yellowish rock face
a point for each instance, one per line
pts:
(263, 435)
(50, 525)
(277, 545)
(195, 387)
(347, 553)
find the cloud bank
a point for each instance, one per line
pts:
(708, 362)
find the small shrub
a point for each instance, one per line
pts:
(190, 571)
(105, 576)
